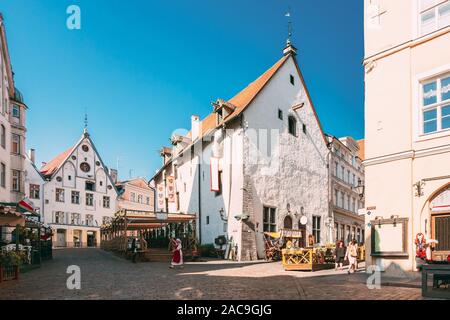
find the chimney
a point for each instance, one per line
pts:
(32, 155)
(113, 174)
(195, 127)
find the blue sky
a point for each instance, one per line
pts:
(142, 67)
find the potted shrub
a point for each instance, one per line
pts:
(10, 262)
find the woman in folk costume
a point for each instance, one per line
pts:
(177, 257)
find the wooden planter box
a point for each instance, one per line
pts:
(9, 273)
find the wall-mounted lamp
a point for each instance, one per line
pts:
(222, 214)
(360, 189)
(242, 217)
(418, 186)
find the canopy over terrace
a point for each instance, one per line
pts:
(131, 222)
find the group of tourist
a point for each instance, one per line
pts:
(349, 253)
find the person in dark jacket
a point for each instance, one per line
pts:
(339, 255)
(134, 249)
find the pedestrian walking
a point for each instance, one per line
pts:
(339, 255)
(351, 255)
(134, 249)
(177, 257)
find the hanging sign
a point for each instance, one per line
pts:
(161, 196)
(215, 184)
(170, 183)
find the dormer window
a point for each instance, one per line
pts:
(223, 109)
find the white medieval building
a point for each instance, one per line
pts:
(258, 163)
(79, 195)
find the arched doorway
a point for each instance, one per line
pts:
(287, 224)
(440, 223)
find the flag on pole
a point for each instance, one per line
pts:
(27, 206)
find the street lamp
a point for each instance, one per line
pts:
(360, 188)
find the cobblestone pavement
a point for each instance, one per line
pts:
(106, 276)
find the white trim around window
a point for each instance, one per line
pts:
(432, 15)
(419, 107)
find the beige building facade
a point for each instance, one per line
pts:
(135, 194)
(407, 120)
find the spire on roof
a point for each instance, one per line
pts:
(289, 47)
(85, 131)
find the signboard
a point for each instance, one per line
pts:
(170, 183)
(215, 184)
(161, 197)
(162, 215)
(288, 233)
(389, 237)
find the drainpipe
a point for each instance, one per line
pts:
(199, 203)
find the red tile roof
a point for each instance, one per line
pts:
(50, 167)
(243, 99)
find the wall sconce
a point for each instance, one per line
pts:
(418, 186)
(222, 214)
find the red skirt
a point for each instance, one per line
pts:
(176, 258)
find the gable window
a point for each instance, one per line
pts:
(436, 105)
(139, 198)
(16, 111)
(280, 114)
(292, 125)
(15, 144)
(316, 229)
(292, 79)
(89, 199)
(304, 128)
(90, 186)
(59, 195)
(2, 175)
(106, 202)
(132, 197)
(433, 15)
(75, 197)
(34, 191)
(269, 219)
(3, 136)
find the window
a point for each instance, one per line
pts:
(15, 144)
(436, 105)
(207, 219)
(59, 217)
(90, 186)
(353, 204)
(218, 193)
(3, 136)
(269, 220)
(316, 229)
(336, 197)
(16, 111)
(106, 202)
(292, 79)
(15, 180)
(280, 114)
(75, 218)
(434, 15)
(304, 128)
(89, 220)
(2, 175)
(89, 199)
(139, 198)
(132, 197)
(336, 169)
(147, 199)
(75, 197)
(34, 191)
(341, 202)
(59, 195)
(348, 177)
(292, 124)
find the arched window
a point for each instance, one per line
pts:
(292, 124)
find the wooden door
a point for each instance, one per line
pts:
(440, 231)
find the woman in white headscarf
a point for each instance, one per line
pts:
(177, 257)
